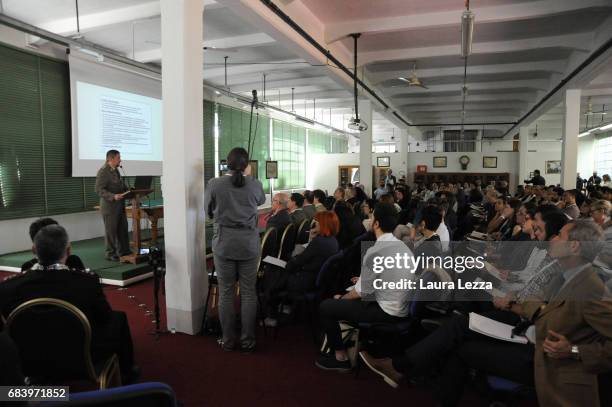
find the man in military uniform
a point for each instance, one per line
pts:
(111, 189)
(51, 278)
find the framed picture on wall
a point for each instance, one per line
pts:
(383, 162)
(439, 162)
(271, 169)
(254, 172)
(553, 167)
(489, 162)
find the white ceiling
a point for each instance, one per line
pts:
(521, 50)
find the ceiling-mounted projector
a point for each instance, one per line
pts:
(357, 124)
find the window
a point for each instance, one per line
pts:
(289, 149)
(453, 142)
(603, 156)
(384, 148)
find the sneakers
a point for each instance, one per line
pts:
(270, 322)
(330, 362)
(384, 368)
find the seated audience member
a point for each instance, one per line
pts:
(428, 244)
(388, 198)
(443, 231)
(279, 215)
(350, 196)
(50, 277)
(360, 196)
(350, 226)
(339, 195)
(401, 198)
(570, 208)
(364, 303)
(573, 335)
(319, 198)
(367, 209)
(585, 208)
(73, 261)
(301, 272)
(10, 365)
(381, 190)
(503, 214)
(308, 207)
(295, 204)
(523, 229)
(600, 212)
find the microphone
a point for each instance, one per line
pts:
(125, 176)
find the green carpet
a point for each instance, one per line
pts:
(91, 251)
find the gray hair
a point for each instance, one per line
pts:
(590, 235)
(283, 199)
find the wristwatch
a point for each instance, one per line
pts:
(575, 352)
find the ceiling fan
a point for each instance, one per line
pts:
(413, 79)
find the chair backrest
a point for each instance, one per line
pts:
(53, 338)
(267, 246)
(422, 297)
(303, 231)
(287, 242)
(151, 394)
(326, 272)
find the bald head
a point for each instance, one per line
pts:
(279, 201)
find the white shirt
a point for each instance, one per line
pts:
(442, 231)
(393, 302)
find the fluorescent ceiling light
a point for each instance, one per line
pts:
(586, 133)
(606, 127)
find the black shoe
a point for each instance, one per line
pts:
(132, 376)
(247, 350)
(225, 347)
(331, 363)
(112, 258)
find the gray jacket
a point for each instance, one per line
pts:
(234, 211)
(109, 183)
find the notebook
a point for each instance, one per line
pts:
(494, 329)
(275, 262)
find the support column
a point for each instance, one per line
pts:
(403, 150)
(183, 170)
(569, 149)
(523, 169)
(365, 147)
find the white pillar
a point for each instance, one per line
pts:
(523, 169)
(365, 147)
(569, 149)
(403, 151)
(183, 175)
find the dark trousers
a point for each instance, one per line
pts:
(454, 349)
(114, 337)
(276, 281)
(332, 311)
(116, 232)
(10, 365)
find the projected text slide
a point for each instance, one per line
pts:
(126, 125)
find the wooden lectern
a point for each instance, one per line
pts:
(135, 257)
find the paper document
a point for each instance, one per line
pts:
(275, 262)
(479, 235)
(493, 291)
(494, 329)
(492, 270)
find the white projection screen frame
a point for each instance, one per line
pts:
(88, 74)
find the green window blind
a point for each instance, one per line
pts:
(234, 132)
(21, 153)
(209, 141)
(288, 146)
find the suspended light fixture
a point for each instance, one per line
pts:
(467, 31)
(355, 123)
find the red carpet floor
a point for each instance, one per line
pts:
(280, 373)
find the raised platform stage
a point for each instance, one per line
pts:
(91, 251)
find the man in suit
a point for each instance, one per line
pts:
(571, 210)
(73, 261)
(296, 201)
(279, 215)
(111, 190)
(50, 277)
(574, 329)
(537, 179)
(309, 208)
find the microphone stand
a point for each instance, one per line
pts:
(253, 105)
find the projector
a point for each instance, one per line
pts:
(357, 124)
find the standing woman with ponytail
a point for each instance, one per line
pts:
(231, 201)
